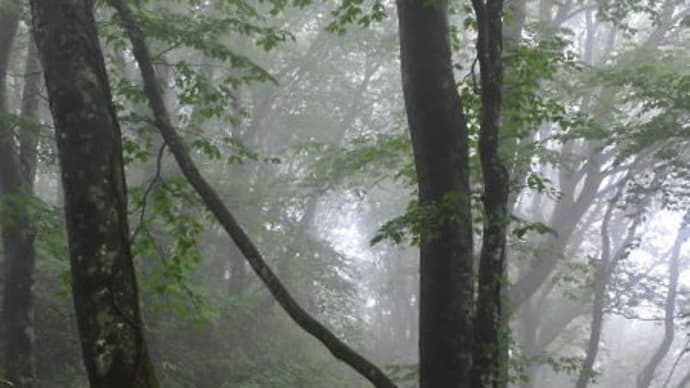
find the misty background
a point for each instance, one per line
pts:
(296, 115)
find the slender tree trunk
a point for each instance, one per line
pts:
(9, 22)
(439, 139)
(569, 209)
(491, 326)
(607, 265)
(564, 220)
(213, 202)
(587, 372)
(514, 19)
(647, 374)
(31, 98)
(16, 186)
(529, 323)
(679, 358)
(89, 149)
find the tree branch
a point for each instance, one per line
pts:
(214, 203)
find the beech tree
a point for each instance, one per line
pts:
(440, 141)
(90, 153)
(105, 287)
(453, 351)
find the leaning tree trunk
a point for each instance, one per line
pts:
(89, 149)
(216, 206)
(440, 143)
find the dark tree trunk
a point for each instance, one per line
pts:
(439, 139)
(491, 326)
(16, 184)
(89, 149)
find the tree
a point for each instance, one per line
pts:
(609, 260)
(90, 154)
(449, 347)
(18, 164)
(213, 202)
(492, 339)
(439, 139)
(105, 290)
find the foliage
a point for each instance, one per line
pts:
(405, 375)
(352, 12)
(248, 81)
(165, 242)
(422, 222)
(618, 12)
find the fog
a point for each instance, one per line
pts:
(296, 116)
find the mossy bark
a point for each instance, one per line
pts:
(90, 154)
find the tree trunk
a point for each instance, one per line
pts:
(31, 98)
(16, 183)
(605, 270)
(529, 322)
(491, 326)
(439, 139)
(567, 214)
(89, 150)
(16, 186)
(647, 374)
(216, 206)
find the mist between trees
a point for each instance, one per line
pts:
(352, 193)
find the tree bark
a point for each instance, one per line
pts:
(31, 98)
(440, 142)
(162, 120)
(16, 187)
(491, 328)
(90, 153)
(16, 183)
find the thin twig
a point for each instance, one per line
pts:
(156, 178)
